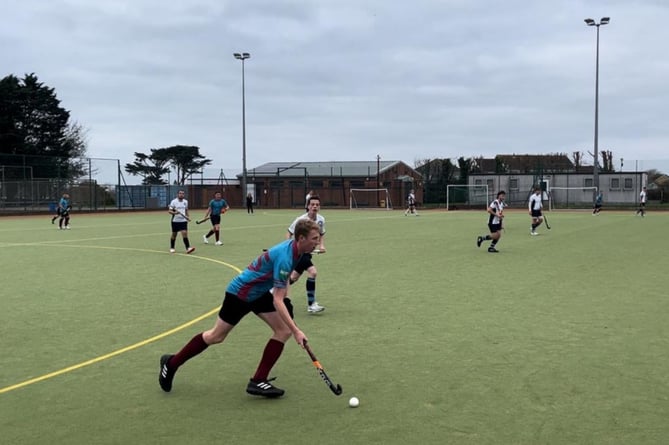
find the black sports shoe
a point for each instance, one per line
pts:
(264, 388)
(166, 374)
(492, 250)
(479, 240)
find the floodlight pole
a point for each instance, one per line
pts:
(243, 57)
(595, 171)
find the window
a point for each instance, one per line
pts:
(357, 184)
(489, 182)
(628, 184)
(587, 182)
(615, 184)
(334, 183)
(513, 184)
(477, 182)
(315, 183)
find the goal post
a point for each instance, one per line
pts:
(370, 199)
(466, 196)
(571, 197)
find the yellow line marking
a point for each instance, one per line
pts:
(127, 348)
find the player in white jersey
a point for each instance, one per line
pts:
(178, 208)
(304, 263)
(411, 204)
(496, 215)
(535, 206)
(642, 203)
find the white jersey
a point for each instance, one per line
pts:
(535, 202)
(180, 206)
(642, 197)
(498, 207)
(411, 199)
(320, 220)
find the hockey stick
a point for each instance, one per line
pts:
(179, 213)
(202, 220)
(336, 389)
(546, 221)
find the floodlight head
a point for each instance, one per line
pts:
(246, 55)
(604, 20)
(589, 22)
(237, 55)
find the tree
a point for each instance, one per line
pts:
(437, 174)
(150, 167)
(577, 156)
(607, 161)
(186, 160)
(466, 166)
(35, 131)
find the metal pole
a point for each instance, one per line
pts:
(243, 57)
(595, 170)
(243, 134)
(595, 173)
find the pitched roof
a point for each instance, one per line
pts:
(322, 169)
(527, 163)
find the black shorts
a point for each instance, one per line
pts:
(179, 226)
(303, 263)
(215, 219)
(494, 227)
(234, 309)
(536, 213)
(598, 206)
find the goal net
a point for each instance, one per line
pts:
(466, 197)
(571, 197)
(370, 199)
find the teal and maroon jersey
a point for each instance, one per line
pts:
(271, 269)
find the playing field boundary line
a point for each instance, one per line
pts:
(127, 348)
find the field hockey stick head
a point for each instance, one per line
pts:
(337, 390)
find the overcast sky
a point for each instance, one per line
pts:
(349, 79)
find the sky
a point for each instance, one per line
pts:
(350, 80)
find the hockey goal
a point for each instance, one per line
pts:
(466, 197)
(571, 197)
(370, 199)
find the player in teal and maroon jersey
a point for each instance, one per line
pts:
(217, 206)
(261, 289)
(63, 211)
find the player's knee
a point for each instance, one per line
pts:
(213, 337)
(312, 272)
(282, 332)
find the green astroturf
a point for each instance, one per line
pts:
(559, 338)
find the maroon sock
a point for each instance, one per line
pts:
(195, 346)
(272, 352)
